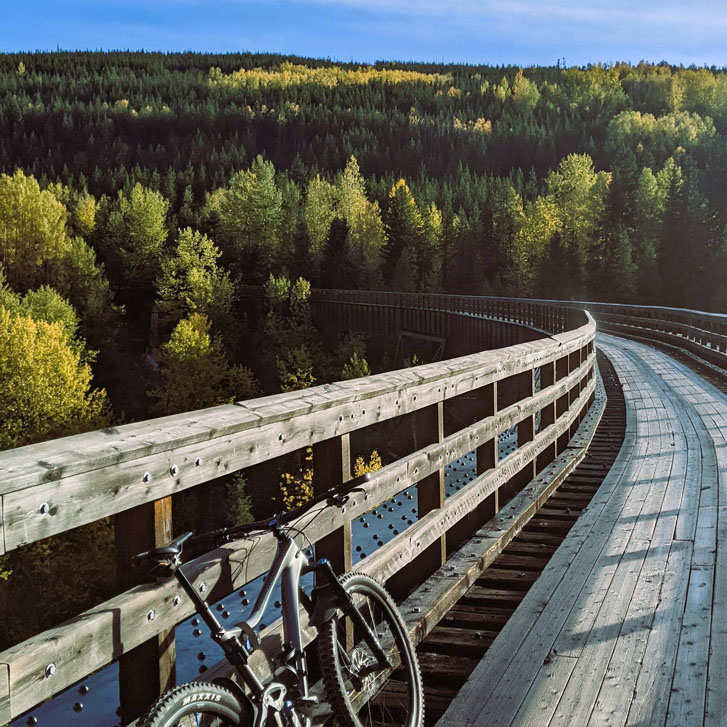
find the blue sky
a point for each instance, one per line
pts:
(521, 32)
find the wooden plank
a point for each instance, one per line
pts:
(688, 690)
(101, 635)
(149, 669)
(544, 695)
(5, 711)
(84, 498)
(716, 706)
(595, 646)
(408, 544)
(653, 685)
(519, 637)
(431, 600)
(332, 409)
(619, 684)
(332, 464)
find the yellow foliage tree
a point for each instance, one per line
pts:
(297, 488)
(45, 388)
(362, 467)
(32, 231)
(195, 371)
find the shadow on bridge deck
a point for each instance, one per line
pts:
(627, 625)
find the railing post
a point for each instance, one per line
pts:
(524, 388)
(487, 453)
(428, 426)
(547, 415)
(332, 467)
(146, 671)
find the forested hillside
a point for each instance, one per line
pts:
(600, 182)
(139, 193)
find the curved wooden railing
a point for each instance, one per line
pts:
(130, 472)
(700, 334)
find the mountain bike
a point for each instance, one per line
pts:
(368, 664)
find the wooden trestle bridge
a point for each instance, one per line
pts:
(627, 623)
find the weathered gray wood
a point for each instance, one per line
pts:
(688, 691)
(533, 645)
(544, 695)
(613, 636)
(716, 706)
(332, 464)
(121, 624)
(5, 711)
(424, 608)
(428, 428)
(612, 599)
(150, 669)
(87, 497)
(341, 408)
(79, 479)
(414, 540)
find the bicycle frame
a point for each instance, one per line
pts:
(287, 566)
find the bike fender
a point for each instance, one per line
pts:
(247, 709)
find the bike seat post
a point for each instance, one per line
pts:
(201, 606)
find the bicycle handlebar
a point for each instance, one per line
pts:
(335, 497)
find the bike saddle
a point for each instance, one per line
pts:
(165, 552)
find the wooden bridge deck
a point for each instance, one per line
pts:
(627, 625)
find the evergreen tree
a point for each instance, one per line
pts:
(579, 194)
(135, 236)
(250, 218)
(405, 236)
(191, 281)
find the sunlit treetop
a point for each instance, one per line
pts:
(291, 74)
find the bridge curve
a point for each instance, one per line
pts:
(450, 408)
(443, 411)
(626, 625)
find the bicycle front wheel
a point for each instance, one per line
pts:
(361, 693)
(197, 704)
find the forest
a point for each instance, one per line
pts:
(142, 194)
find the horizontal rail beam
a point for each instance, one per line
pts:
(140, 470)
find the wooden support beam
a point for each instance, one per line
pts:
(332, 467)
(149, 669)
(524, 389)
(487, 455)
(476, 406)
(428, 428)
